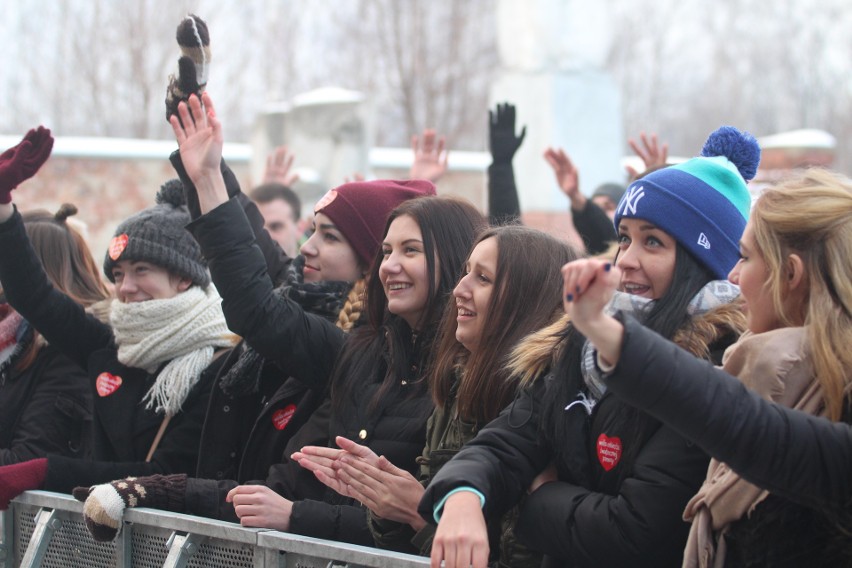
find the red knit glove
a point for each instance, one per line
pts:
(21, 162)
(20, 477)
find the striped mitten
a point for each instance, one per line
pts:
(105, 504)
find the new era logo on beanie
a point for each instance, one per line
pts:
(158, 235)
(360, 210)
(702, 203)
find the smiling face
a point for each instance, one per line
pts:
(137, 281)
(751, 274)
(646, 257)
(473, 293)
(328, 255)
(403, 272)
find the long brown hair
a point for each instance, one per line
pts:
(67, 262)
(527, 296)
(386, 347)
(65, 256)
(811, 215)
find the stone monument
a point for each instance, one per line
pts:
(553, 54)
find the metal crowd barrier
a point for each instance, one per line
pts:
(47, 529)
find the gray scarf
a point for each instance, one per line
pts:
(714, 294)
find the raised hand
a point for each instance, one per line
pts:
(260, 506)
(501, 133)
(278, 165)
(430, 159)
(651, 153)
(567, 176)
(21, 162)
(199, 135)
(588, 286)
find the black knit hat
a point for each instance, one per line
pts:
(157, 235)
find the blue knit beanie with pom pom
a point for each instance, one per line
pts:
(702, 203)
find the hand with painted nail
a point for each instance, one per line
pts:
(589, 285)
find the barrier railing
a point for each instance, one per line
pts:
(47, 529)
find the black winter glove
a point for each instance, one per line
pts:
(501, 133)
(193, 65)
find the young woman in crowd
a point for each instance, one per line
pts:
(151, 369)
(619, 480)
(494, 308)
(794, 273)
(374, 373)
(45, 399)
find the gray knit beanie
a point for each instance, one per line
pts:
(157, 235)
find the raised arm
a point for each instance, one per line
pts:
(503, 204)
(430, 157)
(277, 327)
(63, 322)
(804, 458)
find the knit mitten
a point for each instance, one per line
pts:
(21, 162)
(193, 65)
(20, 477)
(105, 504)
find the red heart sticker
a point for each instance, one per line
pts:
(609, 451)
(326, 200)
(107, 384)
(282, 416)
(117, 246)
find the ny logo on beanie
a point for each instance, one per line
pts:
(631, 201)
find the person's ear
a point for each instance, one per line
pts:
(795, 272)
(184, 284)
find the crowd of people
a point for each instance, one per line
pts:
(412, 374)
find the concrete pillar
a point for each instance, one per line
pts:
(331, 131)
(553, 54)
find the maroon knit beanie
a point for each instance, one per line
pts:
(360, 209)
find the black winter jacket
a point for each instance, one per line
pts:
(244, 435)
(810, 459)
(800, 458)
(123, 429)
(594, 227)
(44, 409)
(627, 512)
(306, 347)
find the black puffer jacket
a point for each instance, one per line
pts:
(604, 520)
(123, 429)
(306, 347)
(44, 409)
(623, 479)
(244, 434)
(806, 462)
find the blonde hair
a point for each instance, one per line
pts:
(811, 215)
(354, 305)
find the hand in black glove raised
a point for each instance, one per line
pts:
(501, 133)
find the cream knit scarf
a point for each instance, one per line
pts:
(183, 330)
